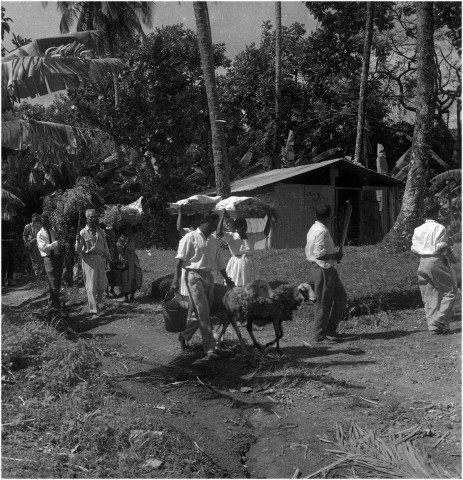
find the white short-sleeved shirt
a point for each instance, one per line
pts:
(430, 238)
(319, 243)
(199, 252)
(44, 242)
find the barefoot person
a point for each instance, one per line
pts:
(436, 277)
(331, 296)
(92, 246)
(49, 249)
(199, 255)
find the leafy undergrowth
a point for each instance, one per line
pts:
(374, 280)
(61, 418)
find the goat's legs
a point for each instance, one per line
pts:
(225, 324)
(277, 326)
(232, 319)
(251, 334)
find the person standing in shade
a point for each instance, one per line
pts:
(436, 276)
(331, 295)
(131, 278)
(30, 240)
(9, 240)
(49, 249)
(92, 246)
(199, 254)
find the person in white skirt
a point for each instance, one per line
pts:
(241, 267)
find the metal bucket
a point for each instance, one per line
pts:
(175, 315)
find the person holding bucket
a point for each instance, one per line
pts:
(199, 254)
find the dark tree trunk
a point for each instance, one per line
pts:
(222, 174)
(276, 139)
(457, 147)
(359, 153)
(399, 238)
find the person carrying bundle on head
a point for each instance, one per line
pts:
(241, 267)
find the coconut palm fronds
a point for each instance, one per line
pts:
(91, 39)
(390, 457)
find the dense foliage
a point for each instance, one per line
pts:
(161, 122)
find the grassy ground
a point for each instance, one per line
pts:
(374, 280)
(62, 418)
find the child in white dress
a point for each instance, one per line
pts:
(241, 267)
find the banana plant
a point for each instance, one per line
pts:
(44, 66)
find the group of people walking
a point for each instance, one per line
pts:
(95, 257)
(199, 255)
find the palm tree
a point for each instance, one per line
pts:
(118, 20)
(222, 174)
(399, 238)
(276, 139)
(363, 83)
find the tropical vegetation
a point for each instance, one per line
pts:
(155, 128)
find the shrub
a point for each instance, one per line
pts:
(65, 364)
(21, 344)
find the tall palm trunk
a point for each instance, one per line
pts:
(363, 84)
(222, 174)
(399, 238)
(276, 139)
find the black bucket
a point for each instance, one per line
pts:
(175, 315)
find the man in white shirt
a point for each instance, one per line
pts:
(91, 245)
(435, 273)
(199, 255)
(49, 249)
(331, 295)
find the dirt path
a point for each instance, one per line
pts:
(262, 418)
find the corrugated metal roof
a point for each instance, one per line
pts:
(277, 175)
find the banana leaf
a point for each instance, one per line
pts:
(35, 76)
(20, 134)
(325, 155)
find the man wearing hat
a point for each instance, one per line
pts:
(436, 276)
(331, 295)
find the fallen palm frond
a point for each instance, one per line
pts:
(391, 457)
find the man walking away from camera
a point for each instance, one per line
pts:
(92, 246)
(199, 254)
(331, 295)
(436, 276)
(49, 249)
(30, 240)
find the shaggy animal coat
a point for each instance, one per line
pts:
(258, 303)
